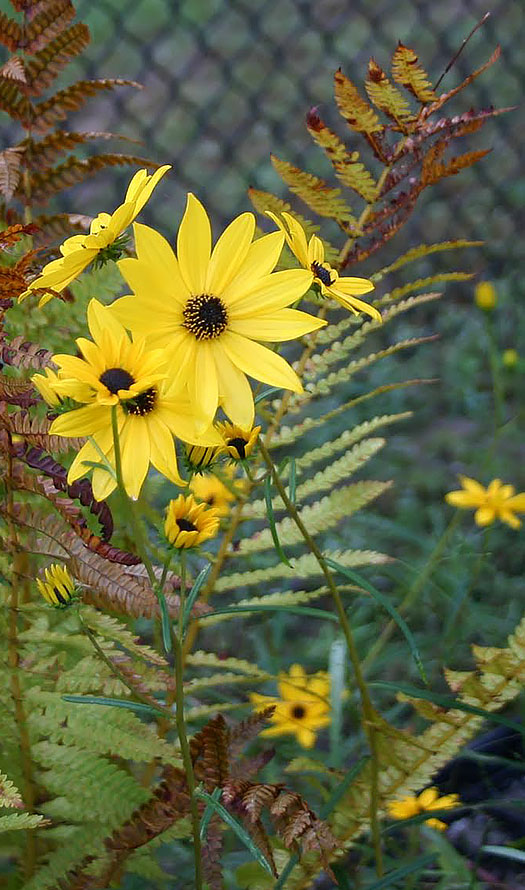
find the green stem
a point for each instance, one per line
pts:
(366, 702)
(182, 594)
(413, 591)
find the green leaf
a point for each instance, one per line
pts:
(165, 621)
(138, 707)
(292, 484)
(271, 519)
(200, 580)
(208, 813)
(505, 852)
(385, 602)
(267, 393)
(447, 701)
(236, 827)
(398, 874)
(295, 610)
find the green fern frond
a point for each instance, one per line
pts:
(304, 567)
(9, 794)
(210, 660)
(348, 438)
(282, 598)
(318, 517)
(117, 632)
(422, 250)
(420, 283)
(386, 96)
(348, 168)
(407, 71)
(20, 821)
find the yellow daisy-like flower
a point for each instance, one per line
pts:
(485, 295)
(239, 443)
(215, 493)
(497, 501)
(510, 358)
(427, 801)
(199, 459)
(188, 523)
(311, 255)
(102, 243)
(58, 589)
(209, 308)
(302, 708)
(118, 371)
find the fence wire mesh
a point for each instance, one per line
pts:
(228, 81)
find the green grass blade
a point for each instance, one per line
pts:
(504, 852)
(138, 707)
(267, 393)
(294, 610)
(387, 605)
(271, 519)
(292, 483)
(200, 580)
(208, 813)
(398, 874)
(165, 621)
(236, 827)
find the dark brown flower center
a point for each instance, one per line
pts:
(239, 445)
(298, 712)
(186, 526)
(205, 317)
(321, 273)
(116, 378)
(142, 404)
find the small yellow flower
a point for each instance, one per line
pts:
(45, 383)
(302, 708)
(510, 358)
(425, 802)
(311, 255)
(213, 492)
(497, 501)
(58, 589)
(188, 523)
(485, 295)
(103, 242)
(239, 442)
(200, 459)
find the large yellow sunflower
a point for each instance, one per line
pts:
(311, 255)
(210, 309)
(150, 411)
(102, 241)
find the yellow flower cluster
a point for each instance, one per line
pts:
(182, 345)
(426, 802)
(497, 501)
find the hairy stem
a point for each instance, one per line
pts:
(366, 702)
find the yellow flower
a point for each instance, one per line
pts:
(102, 243)
(239, 443)
(311, 256)
(118, 371)
(425, 802)
(214, 492)
(302, 708)
(510, 358)
(497, 501)
(199, 459)
(188, 523)
(485, 295)
(58, 589)
(45, 383)
(209, 309)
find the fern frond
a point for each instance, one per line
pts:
(283, 598)
(320, 197)
(15, 392)
(35, 431)
(356, 111)
(43, 153)
(23, 354)
(407, 71)
(10, 171)
(72, 98)
(433, 169)
(318, 517)
(112, 629)
(10, 32)
(9, 794)
(348, 169)
(42, 69)
(304, 567)
(422, 250)
(263, 201)
(210, 660)
(445, 97)
(345, 440)
(45, 185)
(421, 283)
(21, 822)
(47, 25)
(14, 103)
(386, 96)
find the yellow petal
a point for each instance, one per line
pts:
(272, 292)
(517, 503)
(286, 324)
(101, 322)
(204, 387)
(471, 485)
(103, 483)
(160, 269)
(465, 499)
(229, 253)
(194, 245)
(353, 303)
(305, 737)
(135, 453)
(235, 393)
(260, 260)
(259, 362)
(508, 517)
(139, 190)
(485, 515)
(350, 286)
(163, 455)
(81, 422)
(315, 250)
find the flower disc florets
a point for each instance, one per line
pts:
(302, 708)
(205, 317)
(188, 523)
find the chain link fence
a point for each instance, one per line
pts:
(226, 82)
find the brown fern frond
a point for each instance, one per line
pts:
(13, 233)
(54, 227)
(436, 170)
(387, 97)
(35, 431)
(358, 114)
(349, 170)
(246, 730)
(445, 97)
(13, 69)
(320, 197)
(14, 103)
(45, 185)
(72, 98)
(407, 71)
(211, 855)
(12, 283)
(44, 153)
(48, 24)
(10, 172)
(10, 32)
(42, 69)
(16, 392)
(23, 354)
(209, 753)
